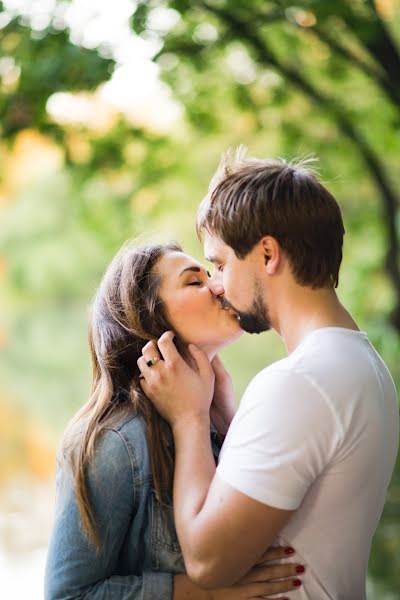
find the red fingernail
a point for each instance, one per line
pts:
(289, 550)
(296, 582)
(300, 569)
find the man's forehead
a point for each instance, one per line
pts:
(213, 247)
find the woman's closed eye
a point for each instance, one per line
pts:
(200, 281)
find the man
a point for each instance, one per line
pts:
(309, 454)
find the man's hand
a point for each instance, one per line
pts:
(223, 406)
(178, 391)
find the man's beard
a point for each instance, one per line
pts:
(256, 319)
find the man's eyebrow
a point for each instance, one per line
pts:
(212, 259)
(192, 268)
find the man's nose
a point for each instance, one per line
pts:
(215, 286)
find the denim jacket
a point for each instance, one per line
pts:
(139, 551)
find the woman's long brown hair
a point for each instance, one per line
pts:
(126, 313)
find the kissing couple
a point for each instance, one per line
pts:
(165, 489)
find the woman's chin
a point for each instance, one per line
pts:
(211, 347)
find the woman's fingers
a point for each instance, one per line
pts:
(275, 552)
(264, 581)
(266, 589)
(271, 572)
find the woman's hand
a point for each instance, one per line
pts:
(261, 580)
(223, 406)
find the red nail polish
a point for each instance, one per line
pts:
(296, 582)
(289, 550)
(300, 569)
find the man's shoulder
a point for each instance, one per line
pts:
(283, 372)
(280, 384)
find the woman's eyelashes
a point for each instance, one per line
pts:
(200, 281)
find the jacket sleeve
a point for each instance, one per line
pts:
(74, 567)
(216, 442)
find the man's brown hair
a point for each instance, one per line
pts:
(251, 198)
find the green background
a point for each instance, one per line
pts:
(315, 78)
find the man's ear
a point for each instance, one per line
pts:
(272, 253)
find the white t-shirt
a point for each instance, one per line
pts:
(318, 432)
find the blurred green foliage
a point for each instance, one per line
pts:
(314, 78)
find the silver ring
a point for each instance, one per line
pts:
(153, 361)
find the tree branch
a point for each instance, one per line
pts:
(381, 76)
(374, 35)
(392, 92)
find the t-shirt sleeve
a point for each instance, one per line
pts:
(282, 437)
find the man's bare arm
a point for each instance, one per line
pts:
(222, 532)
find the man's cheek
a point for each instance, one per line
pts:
(228, 287)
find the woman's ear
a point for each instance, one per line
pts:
(272, 253)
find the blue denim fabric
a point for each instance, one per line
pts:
(140, 551)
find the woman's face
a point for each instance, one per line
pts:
(195, 314)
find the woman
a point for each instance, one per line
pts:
(114, 534)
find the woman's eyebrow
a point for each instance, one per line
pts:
(193, 268)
